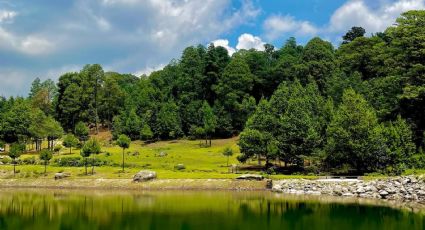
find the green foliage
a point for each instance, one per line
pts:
(70, 141)
(91, 147)
(353, 133)
(81, 131)
(146, 133)
(16, 150)
(123, 141)
(353, 33)
(45, 155)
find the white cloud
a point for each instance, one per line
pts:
(225, 44)
(249, 41)
(30, 45)
(277, 26)
(149, 69)
(359, 13)
(7, 16)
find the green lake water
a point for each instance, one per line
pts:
(54, 209)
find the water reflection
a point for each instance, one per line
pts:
(53, 209)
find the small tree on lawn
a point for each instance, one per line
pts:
(45, 155)
(210, 121)
(91, 147)
(124, 142)
(228, 152)
(81, 131)
(70, 141)
(15, 152)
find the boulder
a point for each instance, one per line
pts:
(144, 175)
(250, 177)
(59, 176)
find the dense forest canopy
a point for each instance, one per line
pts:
(360, 105)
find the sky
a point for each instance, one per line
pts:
(46, 38)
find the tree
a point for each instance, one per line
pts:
(70, 141)
(81, 131)
(228, 152)
(146, 132)
(353, 135)
(91, 147)
(252, 143)
(124, 142)
(46, 155)
(352, 34)
(15, 152)
(210, 121)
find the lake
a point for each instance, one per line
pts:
(56, 209)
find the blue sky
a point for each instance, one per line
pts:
(45, 38)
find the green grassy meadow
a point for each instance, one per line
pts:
(200, 162)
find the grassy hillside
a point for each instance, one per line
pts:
(162, 157)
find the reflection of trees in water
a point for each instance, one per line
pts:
(190, 211)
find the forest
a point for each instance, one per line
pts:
(358, 107)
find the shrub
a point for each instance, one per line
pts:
(6, 160)
(179, 167)
(69, 162)
(29, 161)
(57, 148)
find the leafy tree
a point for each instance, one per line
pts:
(351, 135)
(407, 48)
(46, 155)
(124, 142)
(81, 131)
(168, 123)
(15, 122)
(353, 33)
(16, 150)
(146, 132)
(228, 152)
(210, 121)
(91, 147)
(251, 143)
(318, 62)
(70, 141)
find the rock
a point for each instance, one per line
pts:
(360, 190)
(179, 167)
(59, 176)
(348, 194)
(163, 154)
(250, 177)
(383, 193)
(269, 184)
(144, 175)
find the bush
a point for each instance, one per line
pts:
(69, 162)
(417, 161)
(57, 148)
(179, 167)
(6, 160)
(29, 161)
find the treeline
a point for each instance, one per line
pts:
(360, 105)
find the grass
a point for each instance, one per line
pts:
(162, 157)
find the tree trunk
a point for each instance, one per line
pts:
(227, 161)
(45, 167)
(85, 164)
(259, 159)
(14, 167)
(92, 167)
(210, 141)
(122, 159)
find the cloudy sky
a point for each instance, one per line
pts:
(45, 38)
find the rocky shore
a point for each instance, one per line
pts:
(406, 188)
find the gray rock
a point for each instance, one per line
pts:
(383, 193)
(250, 177)
(144, 175)
(59, 176)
